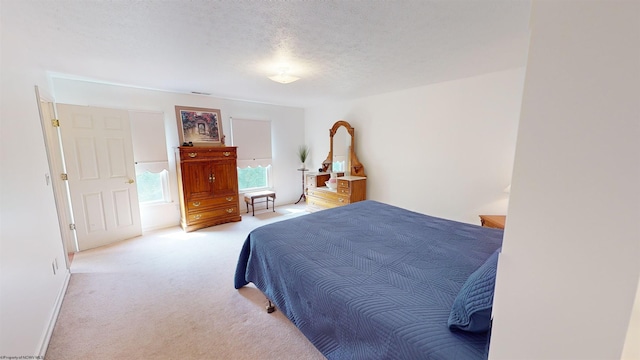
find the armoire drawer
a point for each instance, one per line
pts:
(195, 153)
(198, 205)
(203, 216)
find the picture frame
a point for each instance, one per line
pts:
(199, 126)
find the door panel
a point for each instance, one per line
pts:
(122, 207)
(99, 154)
(86, 158)
(93, 208)
(117, 158)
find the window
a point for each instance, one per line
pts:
(149, 187)
(253, 139)
(152, 187)
(150, 155)
(253, 177)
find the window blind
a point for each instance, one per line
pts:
(253, 139)
(149, 141)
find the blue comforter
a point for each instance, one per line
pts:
(370, 280)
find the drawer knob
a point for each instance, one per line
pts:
(226, 153)
(229, 199)
(197, 217)
(192, 154)
(196, 203)
(341, 199)
(229, 211)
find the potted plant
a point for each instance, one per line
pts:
(303, 154)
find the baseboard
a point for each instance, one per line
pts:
(159, 227)
(54, 316)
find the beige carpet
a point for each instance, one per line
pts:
(170, 295)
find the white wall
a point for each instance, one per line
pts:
(30, 239)
(444, 150)
(287, 129)
(571, 256)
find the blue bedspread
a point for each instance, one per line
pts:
(370, 280)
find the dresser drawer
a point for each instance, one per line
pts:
(199, 205)
(322, 202)
(314, 192)
(343, 184)
(195, 153)
(344, 187)
(329, 195)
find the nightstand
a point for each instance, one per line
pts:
(493, 221)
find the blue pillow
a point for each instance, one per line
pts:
(471, 309)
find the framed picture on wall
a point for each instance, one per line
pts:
(199, 126)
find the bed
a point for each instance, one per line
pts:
(374, 281)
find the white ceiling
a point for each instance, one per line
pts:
(341, 49)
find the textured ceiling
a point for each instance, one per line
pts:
(340, 49)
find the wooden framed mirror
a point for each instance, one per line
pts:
(342, 155)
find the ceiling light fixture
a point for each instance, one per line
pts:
(283, 76)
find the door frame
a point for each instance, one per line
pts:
(57, 167)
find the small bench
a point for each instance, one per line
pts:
(249, 199)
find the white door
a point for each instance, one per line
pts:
(98, 154)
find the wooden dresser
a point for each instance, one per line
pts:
(350, 189)
(493, 221)
(208, 186)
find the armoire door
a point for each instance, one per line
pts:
(226, 175)
(198, 180)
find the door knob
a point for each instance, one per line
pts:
(130, 181)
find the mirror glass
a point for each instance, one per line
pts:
(341, 148)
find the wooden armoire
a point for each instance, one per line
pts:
(208, 186)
